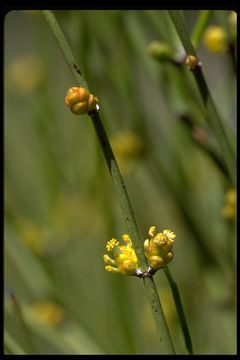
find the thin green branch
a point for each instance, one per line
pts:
(213, 117)
(121, 191)
(180, 311)
(64, 46)
(200, 27)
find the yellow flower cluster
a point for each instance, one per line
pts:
(125, 260)
(229, 210)
(158, 251)
(81, 101)
(128, 148)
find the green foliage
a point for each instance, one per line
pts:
(60, 205)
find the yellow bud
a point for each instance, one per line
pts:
(152, 231)
(160, 51)
(192, 62)
(80, 100)
(215, 39)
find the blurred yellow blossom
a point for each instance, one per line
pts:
(24, 74)
(229, 210)
(33, 235)
(46, 313)
(215, 39)
(127, 147)
(125, 260)
(158, 249)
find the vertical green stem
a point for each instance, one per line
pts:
(121, 191)
(19, 317)
(180, 311)
(200, 27)
(213, 118)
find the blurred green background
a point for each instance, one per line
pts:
(60, 205)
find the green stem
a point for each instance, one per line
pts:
(213, 118)
(121, 191)
(19, 317)
(180, 311)
(64, 46)
(200, 27)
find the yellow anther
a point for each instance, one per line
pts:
(111, 244)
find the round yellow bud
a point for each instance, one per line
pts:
(160, 51)
(80, 100)
(215, 39)
(192, 62)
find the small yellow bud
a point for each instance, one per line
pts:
(127, 239)
(160, 51)
(192, 62)
(80, 100)
(152, 230)
(215, 39)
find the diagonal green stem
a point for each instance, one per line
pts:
(180, 311)
(213, 117)
(64, 46)
(200, 27)
(121, 191)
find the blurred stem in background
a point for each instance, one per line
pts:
(200, 27)
(220, 131)
(119, 185)
(22, 324)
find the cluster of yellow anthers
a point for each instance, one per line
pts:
(81, 101)
(158, 251)
(125, 260)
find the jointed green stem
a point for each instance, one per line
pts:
(213, 118)
(120, 188)
(63, 44)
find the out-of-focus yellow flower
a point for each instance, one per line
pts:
(127, 147)
(215, 39)
(125, 260)
(80, 101)
(33, 235)
(160, 51)
(229, 210)
(46, 313)
(158, 249)
(25, 74)
(233, 24)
